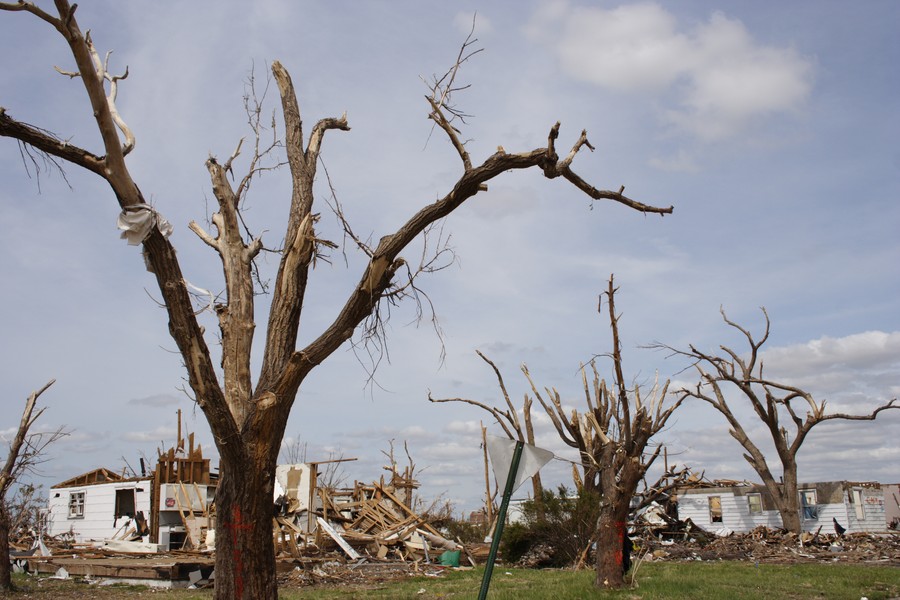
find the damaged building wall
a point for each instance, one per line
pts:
(892, 505)
(859, 507)
(97, 511)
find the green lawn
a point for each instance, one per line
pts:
(694, 581)
(672, 581)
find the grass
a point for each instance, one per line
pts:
(672, 581)
(694, 581)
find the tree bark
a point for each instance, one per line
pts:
(611, 532)
(245, 554)
(789, 502)
(537, 487)
(5, 570)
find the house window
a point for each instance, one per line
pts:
(715, 509)
(125, 503)
(808, 505)
(76, 505)
(857, 502)
(754, 501)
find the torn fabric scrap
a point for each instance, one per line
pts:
(136, 223)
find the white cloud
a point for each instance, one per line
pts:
(870, 349)
(157, 400)
(713, 81)
(157, 435)
(853, 373)
(630, 48)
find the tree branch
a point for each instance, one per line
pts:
(13, 460)
(48, 143)
(501, 417)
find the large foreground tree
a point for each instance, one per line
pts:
(248, 417)
(728, 378)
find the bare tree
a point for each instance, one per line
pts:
(773, 404)
(26, 452)
(248, 419)
(612, 437)
(515, 428)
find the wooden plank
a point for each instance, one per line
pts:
(189, 538)
(347, 548)
(407, 510)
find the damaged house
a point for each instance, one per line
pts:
(858, 507)
(167, 509)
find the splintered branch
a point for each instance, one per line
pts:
(101, 68)
(582, 141)
(318, 133)
(617, 359)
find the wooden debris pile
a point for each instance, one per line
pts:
(371, 521)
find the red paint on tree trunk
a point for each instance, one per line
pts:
(236, 525)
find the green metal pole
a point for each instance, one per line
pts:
(501, 518)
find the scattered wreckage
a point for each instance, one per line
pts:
(159, 528)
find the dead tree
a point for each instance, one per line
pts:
(773, 404)
(248, 417)
(514, 428)
(490, 496)
(26, 451)
(613, 438)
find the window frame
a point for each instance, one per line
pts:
(125, 501)
(859, 506)
(76, 505)
(809, 507)
(710, 501)
(757, 497)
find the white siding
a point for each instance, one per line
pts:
(99, 521)
(873, 509)
(694, 504)
(735, 511)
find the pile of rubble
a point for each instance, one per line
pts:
(769, 545)
(364, 522)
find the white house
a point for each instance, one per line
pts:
(102, 506)
(856, 507)
(99, 505)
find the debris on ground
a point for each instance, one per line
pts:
(771, 546)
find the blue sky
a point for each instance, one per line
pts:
(771, 127)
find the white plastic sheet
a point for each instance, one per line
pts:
(501, 453)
